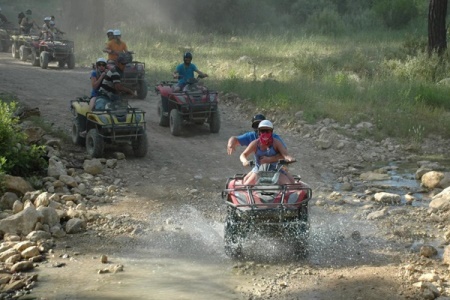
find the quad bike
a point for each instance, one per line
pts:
(53, 49)
(21, 45)
(113, 123)
(194, 104)
(6, 31)
(267, 208)
(134, 76)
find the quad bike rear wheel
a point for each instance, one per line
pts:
(76, 130)
(142, 89)
(43, 59)
(34, 58)
(94, 143)
(140, 145)
(176, 122)
(71, 61)
(23, 53)
(163, 120)
(214, 122)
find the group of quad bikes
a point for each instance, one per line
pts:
(263, 208)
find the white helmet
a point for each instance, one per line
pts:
(101, 59)
(110, 31)
(117, 32)
(266, 124)
(47, 19)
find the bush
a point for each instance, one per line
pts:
(16, 157)
(396, 13)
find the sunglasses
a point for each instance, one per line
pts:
(265, 130)
(101, 65)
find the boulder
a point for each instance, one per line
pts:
(441, 201)
(432, 179)
(21, 223)
(17, 185)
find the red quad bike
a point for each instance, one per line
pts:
(134, 76)
(267, 208)
(194, 105)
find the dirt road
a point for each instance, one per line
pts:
(174, 193)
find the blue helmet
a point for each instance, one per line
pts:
(187, 55)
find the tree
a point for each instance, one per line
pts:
(437, 35)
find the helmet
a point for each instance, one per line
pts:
(265, 124)
(100, 60)
(117, 32)
(52, 23)
(187, 55)
(47, 19)
(28, 12)
(256, 119)
(110, 31)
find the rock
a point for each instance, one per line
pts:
(14, 286)
(42, 200)
(432, 179)
(446, 256)
(373, 176)
(17, 206)
(428, 251)
(429, 277)
(93, 166)
(8, 253)
(16, 185)
(421, 171)
(38, 235)
(13, 259)
(104, 259)
(377, 214)
(7, 200)
(68, 180)
(34, 134)
(50, 216)
(441, 201)
(22, 266)
(30, 252)
(20, 223)
(75, 226)
(23, 245)
(387, 198)
(55, 168)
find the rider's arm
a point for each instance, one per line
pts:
(282, 150)
(249, 150)
(97, 82)
(231, 145)
(120, 88)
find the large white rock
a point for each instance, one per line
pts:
(442, 200)
(22, 222)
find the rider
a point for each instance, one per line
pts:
(185, 71)
(97, 75)
(54, 29)
(265, 146)
(46, 32)
(3, 19)
(111, 84)
(115, 46)
(27, 22)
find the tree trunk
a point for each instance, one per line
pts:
(437, 36)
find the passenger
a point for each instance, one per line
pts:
(185, 71)
(56, 32)
(265, 146)
(27, 23)
(115, 46)
(20, 16)
(97, 75)
(246, 138)
(111, 85)
(46, 33)
(3, 19)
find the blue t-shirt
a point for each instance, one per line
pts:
(185, 72)
(248, 137)
(94, 92)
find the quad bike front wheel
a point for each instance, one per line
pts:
(94, 143)
(142, 89)
(44, 59)
(163, 120)
(23, 53)
(14, 50)
(140, 145)
(76, 130)
(214, 122)
(176, 122)
(232, 238)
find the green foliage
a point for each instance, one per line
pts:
(16, 157)
(396, 13)
(326, 21)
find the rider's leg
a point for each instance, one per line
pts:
(92, 103)
(250, 178)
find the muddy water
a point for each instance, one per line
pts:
(184, 259)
